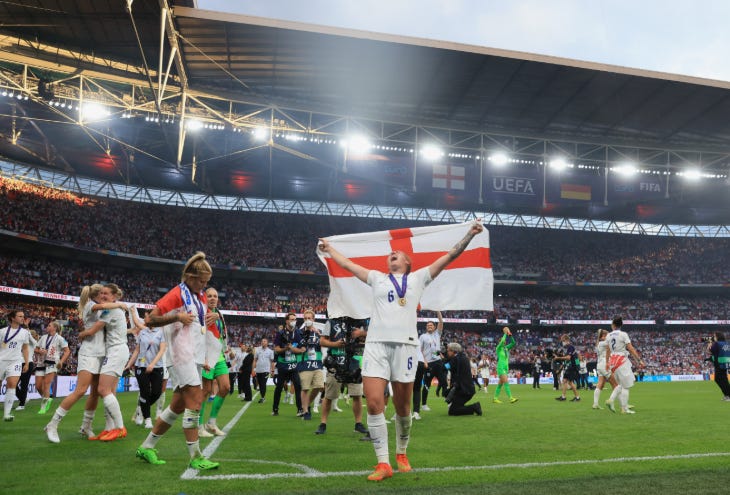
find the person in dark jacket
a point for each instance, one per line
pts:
(462, 385)
(245, 372)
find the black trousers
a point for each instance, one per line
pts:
(458, 406)
(261, 379)
(244, 384)
(232, 377)
(285, 376)
(417, 385)
(21, 391)
(435, 370)
(556, 379)
(536, 380)
(150, 388)
(722, 382)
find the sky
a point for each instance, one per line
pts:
(675, 36)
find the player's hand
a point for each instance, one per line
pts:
(211, 318)
(324, 245)
(185, 318)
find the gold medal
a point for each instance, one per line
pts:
(402, 301)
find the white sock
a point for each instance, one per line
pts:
(596, 396)
(379, 434)
(111, 404)
(108, 420)
(614, 393)
(58, 416)
(151, 441)
(334, 403)
(88, 418)
(9, 399)
(623, 398)
(402, 433)
(194, 449)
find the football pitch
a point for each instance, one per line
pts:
(676, 443)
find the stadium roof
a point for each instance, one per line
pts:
(239, 72)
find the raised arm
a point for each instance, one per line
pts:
(437, 266)
(440, 326)
(360, 272)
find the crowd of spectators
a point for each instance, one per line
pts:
(68, 277)
(287, 241)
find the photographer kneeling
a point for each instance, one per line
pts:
(462, 385)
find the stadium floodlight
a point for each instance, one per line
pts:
(692, 174)
(431, 152)
(356, 145)
(499, 159)
(558, 164)
(193, 124)
(91, 111)
(626, 169)
(261, 133)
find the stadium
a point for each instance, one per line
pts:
(133, 134)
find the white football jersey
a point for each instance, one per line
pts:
(618, 341)
(115, 326)
(391, 322)
(601, 354)
(94, 345)
(11, 344)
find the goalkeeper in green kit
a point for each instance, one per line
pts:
(506, 343)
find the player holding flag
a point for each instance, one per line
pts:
(392, 343)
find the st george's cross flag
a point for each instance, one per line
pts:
(466, 283)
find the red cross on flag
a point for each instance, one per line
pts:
(466, 283)
(448, 177)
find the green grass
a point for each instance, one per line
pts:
(570, 447)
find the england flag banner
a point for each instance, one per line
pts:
(466, 283)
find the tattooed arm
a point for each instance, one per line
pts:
(437, 266)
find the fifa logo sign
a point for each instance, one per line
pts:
(650, 187)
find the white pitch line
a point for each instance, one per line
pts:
(320, 474)
(191, 473)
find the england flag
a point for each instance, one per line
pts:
(466, 283)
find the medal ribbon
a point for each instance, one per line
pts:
(7, 339)
(49, 341)
(400, 290)
(189, 301)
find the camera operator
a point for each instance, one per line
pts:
(462, 385)
(345, 338)
(430, 343)
(536, 370)
(556, 366)
(311, 368)
(287, 358)
(720, 351)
